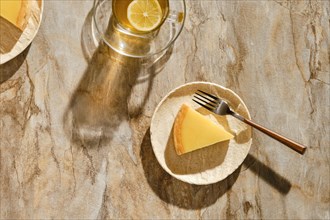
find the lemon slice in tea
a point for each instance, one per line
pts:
(144, 15)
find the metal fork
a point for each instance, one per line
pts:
(220, 107)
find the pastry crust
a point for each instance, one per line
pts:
(177, 133)
(23, 16)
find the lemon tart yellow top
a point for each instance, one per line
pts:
(193, 131)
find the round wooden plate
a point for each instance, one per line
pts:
(210, 164)
(33, 21)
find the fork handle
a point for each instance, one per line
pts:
(290, 143)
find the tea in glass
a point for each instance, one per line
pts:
(140, 16)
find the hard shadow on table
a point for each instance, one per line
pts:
(9, 68)
(176, 192)
(99, 104)
(267, 174)
(99, 108)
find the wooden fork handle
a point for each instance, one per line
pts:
(290, 143)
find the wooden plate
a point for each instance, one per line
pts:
(32, 22)
(210, 164)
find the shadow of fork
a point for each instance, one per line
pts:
(271, 177)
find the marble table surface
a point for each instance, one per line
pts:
(74, 120)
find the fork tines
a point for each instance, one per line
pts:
(206, 100)
(208, 94)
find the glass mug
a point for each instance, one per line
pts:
(111, 24)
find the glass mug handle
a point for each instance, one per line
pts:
(172, 17)
(175, 16)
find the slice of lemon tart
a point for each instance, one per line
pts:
(14, 11)
(193, 131)
(13, 20)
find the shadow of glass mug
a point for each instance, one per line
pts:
(107, 26)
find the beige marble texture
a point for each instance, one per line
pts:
(74, 123)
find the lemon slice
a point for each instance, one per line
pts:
(144, 15)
